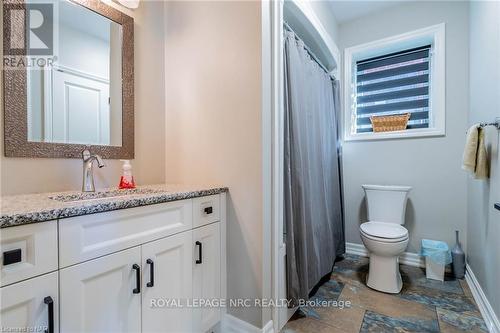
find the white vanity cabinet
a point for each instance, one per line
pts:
(98, 295)
(168, 284)
(31, 305)
(27, 251)
(90, 236)
(140, 269)
(207, 275)
(29, 295)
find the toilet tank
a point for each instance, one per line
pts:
(386, 203)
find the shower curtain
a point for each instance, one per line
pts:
(314, 228)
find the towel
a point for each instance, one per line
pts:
(482, 170)
(475, 158)
(470, 151)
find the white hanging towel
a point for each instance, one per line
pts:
(475, 158)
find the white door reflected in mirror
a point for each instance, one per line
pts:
(79, 99)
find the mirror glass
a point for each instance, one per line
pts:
(78, 99)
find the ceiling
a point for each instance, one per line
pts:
(85, 20)
(347, 10)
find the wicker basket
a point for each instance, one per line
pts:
(390, 123)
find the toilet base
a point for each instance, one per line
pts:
(384, 275)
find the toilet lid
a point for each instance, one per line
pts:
(384, 230)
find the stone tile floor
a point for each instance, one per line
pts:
(422, 306)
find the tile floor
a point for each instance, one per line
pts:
(422, 306)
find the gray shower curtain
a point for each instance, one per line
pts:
(314, 228)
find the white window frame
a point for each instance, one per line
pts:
(435, 36)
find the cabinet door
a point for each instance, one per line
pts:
(99, 295)
(30, 305)
(206, 277)
(37, 244)
(172, 284)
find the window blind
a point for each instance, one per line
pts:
(393, 84)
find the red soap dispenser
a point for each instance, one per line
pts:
(126, 180)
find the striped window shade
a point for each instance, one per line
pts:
(394, 84)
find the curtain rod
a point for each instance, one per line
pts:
(313, 56)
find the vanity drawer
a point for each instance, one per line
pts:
(86, 237)
(206, 210)
(27, 251)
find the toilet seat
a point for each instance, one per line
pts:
(384, 232)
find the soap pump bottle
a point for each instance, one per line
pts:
(126, 180)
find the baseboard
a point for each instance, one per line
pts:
(484, 305)
(231, 324)
(356, 249)
(412, 259)
(407, 258)
(269, 327)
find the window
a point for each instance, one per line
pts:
(399, 75)
(393, 84)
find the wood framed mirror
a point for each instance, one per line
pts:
(68, 79)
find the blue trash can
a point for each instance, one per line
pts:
(437, 256)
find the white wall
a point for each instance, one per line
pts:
(84, 52)
(483, 245)
(323, 10)
(437, 203)
(213, 124)
(23, 175)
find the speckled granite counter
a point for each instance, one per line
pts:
(32, 208)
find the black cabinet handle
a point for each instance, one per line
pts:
(208, 210)
(200, 253)
(151, 282)
(11, 257)
(137, 289)
(50, 325)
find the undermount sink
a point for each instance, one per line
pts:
(101, 194)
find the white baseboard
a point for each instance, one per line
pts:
(484, 305)
(407, 258)
(231, 324)
(356, 249)
(269, 327)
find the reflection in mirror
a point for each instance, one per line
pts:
(79, 99)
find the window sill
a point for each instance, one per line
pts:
(406, 134)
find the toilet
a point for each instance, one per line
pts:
(384, 235)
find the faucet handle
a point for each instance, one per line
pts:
(86, 152)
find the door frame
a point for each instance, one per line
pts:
(276, 143)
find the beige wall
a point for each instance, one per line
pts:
(432, 166)
(21, 175)
(213, 123)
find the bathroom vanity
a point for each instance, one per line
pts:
(129, 261)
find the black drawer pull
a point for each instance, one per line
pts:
(151, 282)
(137, 269)
(200, 253)
(11, 257)
(208, 210)
(50, 325)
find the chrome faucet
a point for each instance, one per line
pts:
(88, 172)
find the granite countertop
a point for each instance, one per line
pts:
(33, 208)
